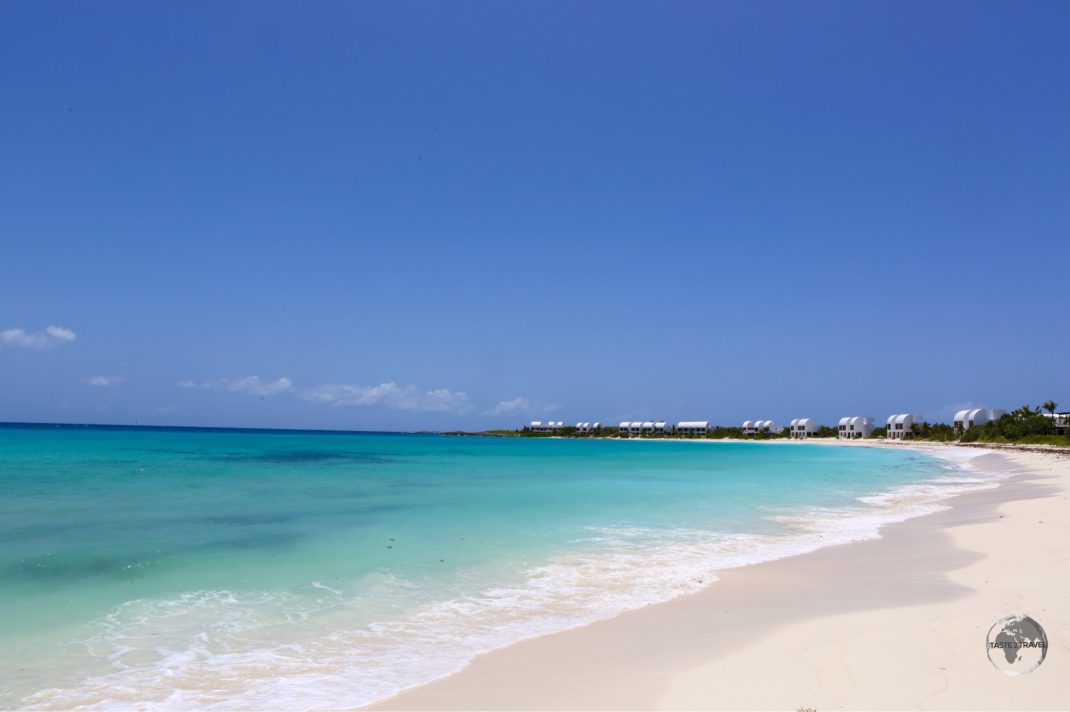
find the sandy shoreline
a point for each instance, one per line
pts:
(895, 622)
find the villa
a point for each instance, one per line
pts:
(693, 428)
(587, 428)
(550, 426)
(1060, 422)
(855, 427)
(758, 427)
(659, 427)
(635, 429)
(900, 425)
(802, 428)
(966, 419)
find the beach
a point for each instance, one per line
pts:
(898, 622)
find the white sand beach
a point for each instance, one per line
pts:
(898, 622)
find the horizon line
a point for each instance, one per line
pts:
(13, 424)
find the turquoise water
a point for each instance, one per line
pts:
(279, 569)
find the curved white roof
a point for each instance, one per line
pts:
(747, 423)
(693, 424)
(904, 418)
(766, 424)
(978, 415)
(624, 424)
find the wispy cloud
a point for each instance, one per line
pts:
(389, 395)
(52, 336)
(516, 405)
(519, 406)
(253, 385)
(104, 381)
(385, 395)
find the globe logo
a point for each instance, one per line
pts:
(1017, 645)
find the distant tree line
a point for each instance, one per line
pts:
(1026, 425)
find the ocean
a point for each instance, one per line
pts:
(278, 569)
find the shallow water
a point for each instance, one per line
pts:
(295, 570)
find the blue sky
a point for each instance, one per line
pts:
(460, 215)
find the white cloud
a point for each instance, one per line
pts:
(389, 395)
(386, 395)
(516, 405)
(104, 380)
(255, 386)
(250, 384)
(52, 336)
(520, 405)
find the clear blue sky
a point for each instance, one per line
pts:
(440, 215)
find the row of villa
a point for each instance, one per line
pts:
(550, 426)
(898, 426)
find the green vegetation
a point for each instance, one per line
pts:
(935, 432)
(1025, 425)
(715, 433)
(718, 432)
(783, 434)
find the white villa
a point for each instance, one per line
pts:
(659, 427)
(854, 427)
(693, 428)
(550, 426)
(1060, 422)
(588, 428)
(636, 428)
(899, 425)
(966, 419)
(802, 428)
(757, 427)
